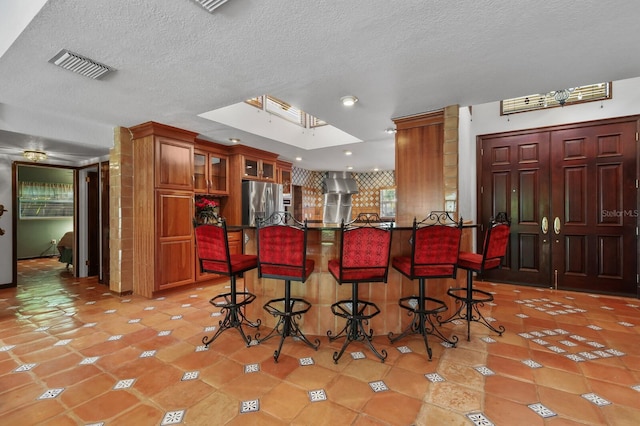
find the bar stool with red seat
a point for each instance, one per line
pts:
(435, 244)
(213, 252)
(282, 254)
(469, 299)
(364, 258)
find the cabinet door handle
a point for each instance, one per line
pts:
(544, 226)
(556, 225)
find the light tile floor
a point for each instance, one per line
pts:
(72, 353)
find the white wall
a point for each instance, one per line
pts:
(486, 119)
(6, 220)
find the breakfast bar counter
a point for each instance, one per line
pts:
(322, 290)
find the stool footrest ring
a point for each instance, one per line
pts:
(287, 325)
(354, 330)
(233, 315)
(424, 312)
(469, 303)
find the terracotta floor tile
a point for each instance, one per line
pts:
(33, 413)
(281, 369)
(152, 380)
(140, 415)
(406, 382)
(72, 376)
(311, 377)
(216, 395)
(285, 401)
(561, 380)
(456, 397)
(570, 405)
(366, 370)
(324, 413)
(107, 405)
(393, 407)
(219, 408)
(349, 392)
(620, 415)
(182, 394)
(507, 412)
(510, 367)
(249, 386)
(81, 392)
(510, 389)
(433, 415)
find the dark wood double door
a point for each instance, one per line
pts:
(571, 194)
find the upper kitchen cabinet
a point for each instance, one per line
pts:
(174, 163)
(259, 169)
(284, 176)
(210, 170)
(246, 163)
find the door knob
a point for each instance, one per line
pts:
(544, 226)
(556, 225)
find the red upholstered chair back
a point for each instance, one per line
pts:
(282, 252)
(495, 248)
(496, 242)
(213, 249)
(364, 254)
(435, 251)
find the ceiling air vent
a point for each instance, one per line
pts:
(211, 5)
(80, 64)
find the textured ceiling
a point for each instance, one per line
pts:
(175, 61)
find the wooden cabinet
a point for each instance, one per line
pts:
(173, 164)
(284, 176)
(174, 233)
(259, 169)
(162, 205)
(210, 171)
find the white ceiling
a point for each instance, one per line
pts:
(174, 61)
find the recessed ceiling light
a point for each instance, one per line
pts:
(376, 169)
(347, 152)
(348, 100)
(298, 158)
(349, 167)
(234, 140)
(390, 130)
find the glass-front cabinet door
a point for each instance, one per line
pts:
(199, 171)
(218, 174)
(210, 172)
(268, 170)
(251, 168)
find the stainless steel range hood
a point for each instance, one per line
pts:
(339, 183)
(337, 188)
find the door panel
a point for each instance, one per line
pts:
(572, 198)
(516, 180)
(595, 197)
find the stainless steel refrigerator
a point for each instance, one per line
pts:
(260, 200)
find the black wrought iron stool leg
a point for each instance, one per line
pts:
(233, 315)
(471, 303)
(356, 320)
(287, 324)
(422, 323)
